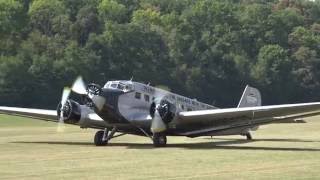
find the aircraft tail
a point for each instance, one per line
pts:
(251, 97)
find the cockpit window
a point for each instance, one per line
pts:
(146, 98)
(121, 86)
(124, 86)
(114, 85)
(137, 95)
(128, 87)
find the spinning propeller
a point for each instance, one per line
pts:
(67, 109)
(162, 112)
(65, 94)
(79, 86)
(92, 91)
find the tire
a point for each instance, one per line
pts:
(159, 140)
(98, 139)
(249, 136)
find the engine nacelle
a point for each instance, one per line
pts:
(71, 112)
(166, 109)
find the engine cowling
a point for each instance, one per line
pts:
(166, 109)
(94, 89)
(71, 112)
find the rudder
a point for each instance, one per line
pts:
(251, 97)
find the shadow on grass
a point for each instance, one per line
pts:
(268, 140)
(226, 145)
(54, 143)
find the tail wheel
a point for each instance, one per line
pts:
(159, 140)
(99, 139)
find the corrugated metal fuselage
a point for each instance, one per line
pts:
(129, 111)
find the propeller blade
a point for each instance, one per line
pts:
(60, 127)
(65, 95)
(98, 101)
(79, 86)
(157, 125)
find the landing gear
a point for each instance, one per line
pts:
(100, 139)
(159, 140)
(249, 136)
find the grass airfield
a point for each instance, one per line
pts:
(32, 149)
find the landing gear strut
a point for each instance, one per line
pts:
(159, 140)
(102, 137)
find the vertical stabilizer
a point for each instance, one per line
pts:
(251, 97)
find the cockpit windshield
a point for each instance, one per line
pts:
(124, 86)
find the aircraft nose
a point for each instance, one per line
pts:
(103, 97)
(111, 96)
(98, 101)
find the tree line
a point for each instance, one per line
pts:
(204, 49)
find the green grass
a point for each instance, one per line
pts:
(32, 149)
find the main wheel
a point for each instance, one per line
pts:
(99, 139)
(249, 136)
(159, 140)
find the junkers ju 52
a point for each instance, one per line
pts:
(128, 107)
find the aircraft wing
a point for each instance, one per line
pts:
(92, 120)
(205, 121)
(42, 114)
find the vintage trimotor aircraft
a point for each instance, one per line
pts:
(128, 107)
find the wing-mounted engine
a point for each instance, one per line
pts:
(166, 109)
(74, 113)
(162, 113)
(71, 112)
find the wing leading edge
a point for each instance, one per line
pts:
(42, 114)
(217, 120)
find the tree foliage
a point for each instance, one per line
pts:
(209, 49)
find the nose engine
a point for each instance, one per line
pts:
(71, 112)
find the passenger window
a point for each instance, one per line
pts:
(146, 98)
(138, 95)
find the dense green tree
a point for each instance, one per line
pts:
(281, 23)
(11, 16)
(45, 13)
(209, 49)
(87, 22)
(254, 22)
(273, 72)
(12, 22)
(271, 65)
(111, 10)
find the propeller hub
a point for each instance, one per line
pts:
(70, 111)
(165, 109)
(94, 89)
(162, 114)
